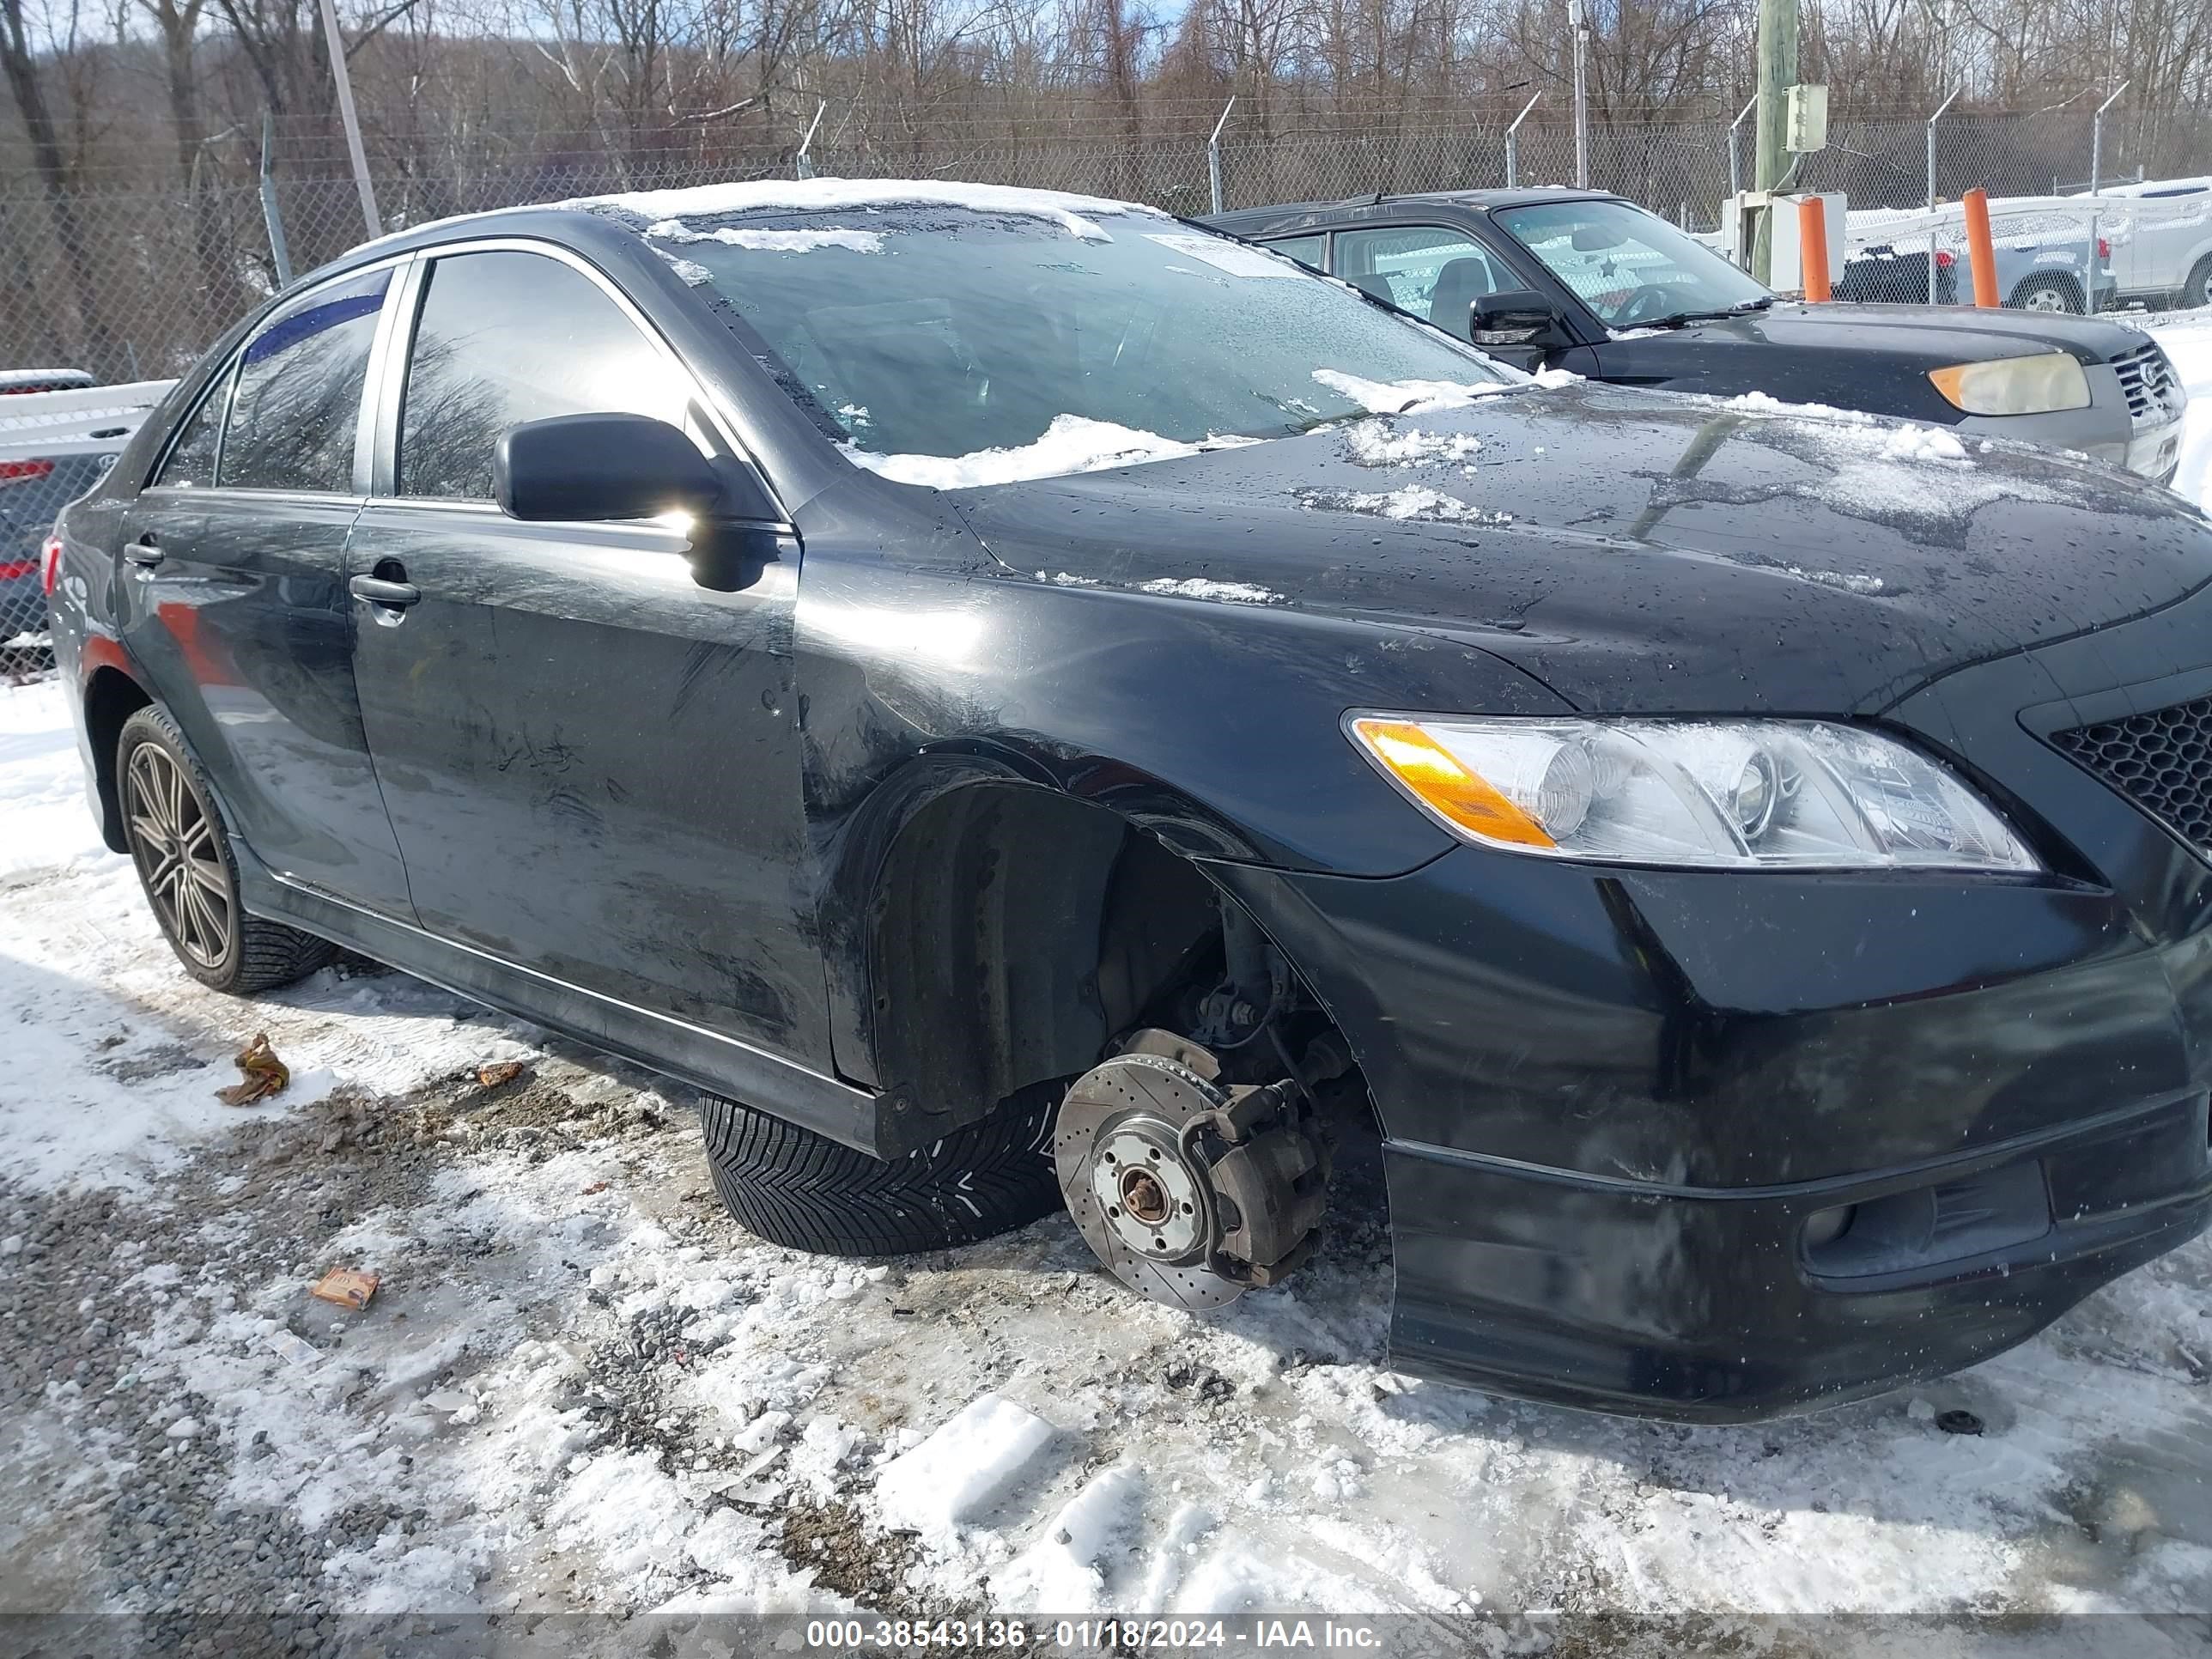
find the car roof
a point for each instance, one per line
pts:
(1479, 201)
(763, 197)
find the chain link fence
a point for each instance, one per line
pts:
(132, 284)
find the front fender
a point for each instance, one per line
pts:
(1216, 726)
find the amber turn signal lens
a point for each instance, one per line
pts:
(1433, 776)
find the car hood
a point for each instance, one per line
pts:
(1638, 552)
(1931, 335)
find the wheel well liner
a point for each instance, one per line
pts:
(1013, 930)
(110, 697)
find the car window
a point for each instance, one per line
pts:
(1407, 266)
(1629, 266)
(297, 402)
(1306, 250)
(919, 331)
(190, 463)
(504, 338)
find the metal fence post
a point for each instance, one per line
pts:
(1513, 144)
(802, 165)
(270, 216)
(1213, 153)
(351, 122)
(2097, 138)
(2089, 275)
(1932, 120)
(1578, 22)
(1735, 164)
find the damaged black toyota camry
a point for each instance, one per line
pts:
(1036, 700)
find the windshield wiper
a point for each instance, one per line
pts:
(1677, 318)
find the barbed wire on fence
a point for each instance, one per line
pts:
(132, 284)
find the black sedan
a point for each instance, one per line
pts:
(1045, 703)
(1594, 284)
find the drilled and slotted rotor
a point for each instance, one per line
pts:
(1144, 1206)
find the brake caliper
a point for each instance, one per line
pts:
(1190, 1191)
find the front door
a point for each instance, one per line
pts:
(590, 761)
(233, 596)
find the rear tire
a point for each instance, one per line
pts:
(806, 1192)
(2051, 294)
(186, 867)
(2199, 292)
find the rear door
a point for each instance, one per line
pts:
(233, 602)
(590, 761)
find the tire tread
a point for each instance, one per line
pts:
(802, 1190)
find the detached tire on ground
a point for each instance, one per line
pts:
(806, 1192)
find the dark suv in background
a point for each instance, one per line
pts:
(1591, 282)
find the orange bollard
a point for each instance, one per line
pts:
(1812, 247)
(1981, 248)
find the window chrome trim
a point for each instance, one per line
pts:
(368, 429)
(175, 495)
(224, 383)
(385, 480)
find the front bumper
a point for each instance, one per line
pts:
(1622, 1107)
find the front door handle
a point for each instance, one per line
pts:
(377, 591)
(144, 553)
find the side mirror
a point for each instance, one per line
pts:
(596, 467)
(1515, 316)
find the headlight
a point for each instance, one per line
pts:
(1735, 795)
(2048, 381)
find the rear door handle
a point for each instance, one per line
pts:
(377, 591)
(144, 553)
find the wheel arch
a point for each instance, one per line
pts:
(110, 697)
(985, 930)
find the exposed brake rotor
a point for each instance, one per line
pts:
(1189, 1191)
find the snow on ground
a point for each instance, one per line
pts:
(2187, 337)
(581, 1387)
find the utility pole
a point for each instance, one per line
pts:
(1778, 72)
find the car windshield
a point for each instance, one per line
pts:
(1632, 267)
(951, 345)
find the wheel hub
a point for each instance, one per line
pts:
(1150, 1196)
(1191, 1193)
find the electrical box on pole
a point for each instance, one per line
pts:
(1805, 125)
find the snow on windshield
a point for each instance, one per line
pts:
(1402, 397)
(774, 241)
(1070, 444)
(953, 350)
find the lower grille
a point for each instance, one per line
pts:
(2161, 760)
(2154, 392)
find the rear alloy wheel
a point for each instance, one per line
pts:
(2047, 293)
(185, 864)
